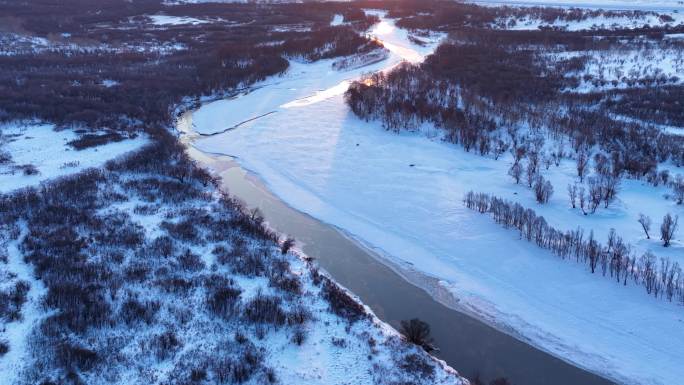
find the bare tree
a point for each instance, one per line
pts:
(417, 332)
(582, 200)
(500, 146)
(609, 187)
(601, 164)
(287, 245)
(572, 193)
(678, 188)
(543, 189)
(668, 228)
(582, 162)
(547, 160)
(530, 173)
(595, 194)
(645, 222)
(516, 171)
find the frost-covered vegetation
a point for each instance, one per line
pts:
(31, 153)
(154, 276)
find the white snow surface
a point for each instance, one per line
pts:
(16, 333)
(623, 68)
(601, 22)
(318, 157)
(337, 20)
(648, 5)
(47, 149)
(175, 20)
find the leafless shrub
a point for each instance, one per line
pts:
(645, 223)
(136, 272)
(133, 311)
(146, 209)
(287, 244)
(175, 284)
(5, 157)
(265, 309)
(198, 374)
(298, 315)
(165, 345)
(184, 230)
(677, 186)
(28, 169)
(339, 342)
(223, 300)
(12, 300)
(251, 263)
(190, 261)
(74, 356)
(237, 370)
(94, 140)
(417, 365)
(290, 285)
(516, 172)
(163, 246)
(417, 332)
(542, 189)
(299, 336)
(668, 228)
(341, 303)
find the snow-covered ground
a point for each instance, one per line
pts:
(337, 20)
(19, 44)
(175, 20)
(599, 22)
(623, 68)
(47, 150)
(16, 333)
(647, 5)
(401, 194)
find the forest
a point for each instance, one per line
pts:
(67, 83)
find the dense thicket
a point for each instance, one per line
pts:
(109, 67)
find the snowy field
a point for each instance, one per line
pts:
(16, 334)
(647, 5)
(623, 68)
(47, 150)
(589, 23)
(175, 20)
(401, 194)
